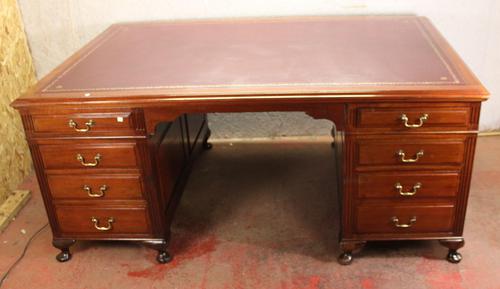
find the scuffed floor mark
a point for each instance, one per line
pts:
(306, 282)
(440, 280)
(367, 283)
(437, 277)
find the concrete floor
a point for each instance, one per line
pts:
(262, 215)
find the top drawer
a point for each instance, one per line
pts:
(84, 123)
(414, 118)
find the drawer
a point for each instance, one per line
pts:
(77, 156)
(95, 187)
(404, 219)
(406, 151)
(407, 185)
(83, 124)
(105, 220)
(413, 118)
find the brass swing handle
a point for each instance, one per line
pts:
(403, 158)
(396, 223)
(100, 194)
(81, 159)
(99, 228)
(399, 188)
(421, 119)
(74, 125)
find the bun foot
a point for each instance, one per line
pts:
(453, 245)
(63, 245)
(207, 145)
(345, 259)
(163, 257)
(64, 256)
(347, 247)
(160, 246)
(454, 257)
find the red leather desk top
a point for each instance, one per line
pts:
(301, 55)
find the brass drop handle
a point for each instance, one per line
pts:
(81, 159)
(74, 125)
(107, 227)
(403, 158)
(421, 119)
(100, 194)
(396, 223)
(399, 188)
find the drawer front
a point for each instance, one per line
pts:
(407, 118)
(407, 185)
(410, 152)
(404, 219)
(82, 124)
(77, 156)
(105, 221)
(95, 187)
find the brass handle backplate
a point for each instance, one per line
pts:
(106, 228)
(81, 159)
(421, 119)
(399, 188)
(100, 194)
(74, 125)
(403, 158)
(396, 223)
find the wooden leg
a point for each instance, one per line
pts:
(63, 245)
(347, 248)
(453, 245)
(206, 144)
(163, 256)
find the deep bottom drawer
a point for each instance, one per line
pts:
(404, 219)
(106, 221)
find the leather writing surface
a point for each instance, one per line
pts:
(342, 51)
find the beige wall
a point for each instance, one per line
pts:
(16, 74)
(56, 28)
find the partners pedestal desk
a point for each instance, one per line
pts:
(114, 130)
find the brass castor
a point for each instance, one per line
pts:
(207, 145)
(453, 245)
(454, 257)
(64, 256)
(163, 257)
(345, 258)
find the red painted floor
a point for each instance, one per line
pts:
(262, 215)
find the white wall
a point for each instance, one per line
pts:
(56, 28)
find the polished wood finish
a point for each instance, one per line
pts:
(133, 104)
(431, 185)
(390, 117)
(75, 220)
(379, 219)
(96, 187)
(117, 121)
(435, 151)
(112, 155)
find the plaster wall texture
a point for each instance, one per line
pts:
(16, 75)
(57, 28)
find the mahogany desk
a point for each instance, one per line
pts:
(114, 130)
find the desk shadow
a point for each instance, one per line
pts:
(276, 195)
